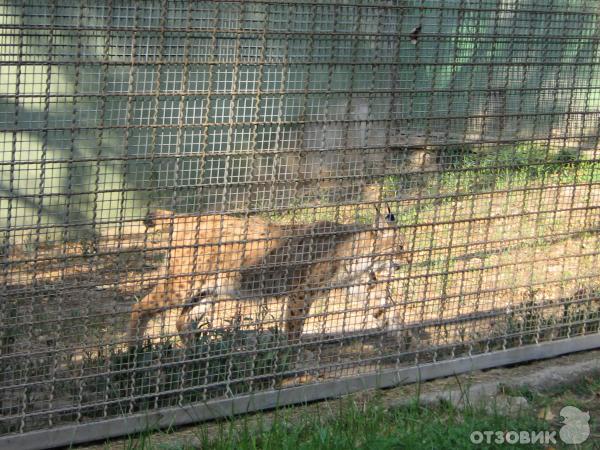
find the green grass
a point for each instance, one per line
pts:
(213, 365)
(375, 427)
(370, 424)
(361, 426)
(466, 172)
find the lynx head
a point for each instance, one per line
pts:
(158, 218)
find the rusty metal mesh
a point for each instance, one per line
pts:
(236, 160)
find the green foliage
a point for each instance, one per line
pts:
(463, 171)
(114, 382)
(364, 426)
(222, 363)
(530, 322)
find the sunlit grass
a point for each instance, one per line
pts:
(367, 425)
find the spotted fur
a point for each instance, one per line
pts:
(300, 263)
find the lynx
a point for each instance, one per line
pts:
(225, 256)
(205, 253)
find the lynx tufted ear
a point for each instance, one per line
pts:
(390, 218)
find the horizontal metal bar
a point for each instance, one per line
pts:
(175, 94)
(251, 34)
(128, 62)
(74, 128)
(395, 143)
(385, 6)
(169, 417)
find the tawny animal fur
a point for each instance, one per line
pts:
(225, 256)
(206, 252)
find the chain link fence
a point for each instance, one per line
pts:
(213, 207)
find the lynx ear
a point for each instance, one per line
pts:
(390, 217)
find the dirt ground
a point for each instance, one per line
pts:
(486, 252)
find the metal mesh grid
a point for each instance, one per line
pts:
(201, 200)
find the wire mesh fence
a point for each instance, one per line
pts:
(209, 200)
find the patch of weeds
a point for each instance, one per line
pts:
(589, 385)
(521, 391)
(584, 387)
(463, 171)
(106, 382)
(222, 363)
(365, 425)
(535, 321)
